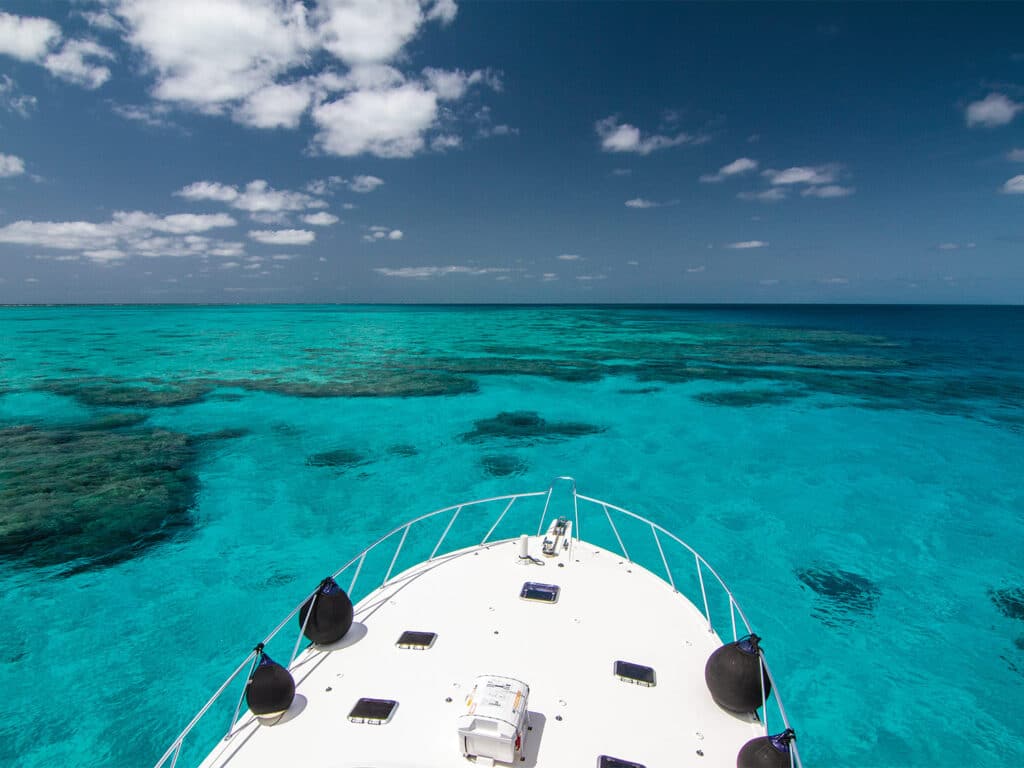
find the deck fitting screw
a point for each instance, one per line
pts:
(328, 688)
(561, 565)
(558, 718)
(448, 699)
(495, 631)
(700, 752)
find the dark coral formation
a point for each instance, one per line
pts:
(747, 398)
(403, 449)
(841, 592)
(364, 383)
(115, 394)
(1009, 601)
(339, 459)
(504, 466)
(90, 494)
(527, 426)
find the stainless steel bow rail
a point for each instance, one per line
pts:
(607, 511)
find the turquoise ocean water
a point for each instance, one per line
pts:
(173, 480)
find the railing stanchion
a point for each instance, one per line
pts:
(703, 592)
(241, 697)
(732, 615)
(544, 512)
(616, 532)
(764, 704)
(302, 629)
(405, 532)
(443, 535)
(663, 560)
(355, 576)
(174, 760)
(498, 521)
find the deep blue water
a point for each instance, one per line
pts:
(174, 479)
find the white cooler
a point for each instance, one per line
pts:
(494, 724)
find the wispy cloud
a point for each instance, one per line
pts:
(834, 281)
(994, 110)
(1015, 155)
(623, 137)
(14, 101)
(766, 196)
(737, 167)
(591, 278)
(803, 174)
(828, 191)
(283, 236)
(695, 269)
(1014, 186)
(640, 202)
(569, 256)
(421, 273)
(747, 244)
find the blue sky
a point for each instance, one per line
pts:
(396, 150)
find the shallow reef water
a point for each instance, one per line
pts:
(173, 480)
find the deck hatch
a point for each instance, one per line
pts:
(540, 593)
(418, 641)
(635, 673)
(373, 711)
(616, 762)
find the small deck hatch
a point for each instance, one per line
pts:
(540, 593)
(418, 641)
(635, 673)
(373, 711)
(616, 762)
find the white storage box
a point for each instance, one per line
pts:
(495, 721)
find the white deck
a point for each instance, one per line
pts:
(608, 610)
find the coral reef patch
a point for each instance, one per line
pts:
(747, 398)
(503, 465)
(340, 459)
(840, 592)
(527, 426)
(91, 494)
(1009, 601)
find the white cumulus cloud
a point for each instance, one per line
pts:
(321, 219)
(78, 62)
(27, 38)
(386, 123)
(994, 110)
(128, 233)
(377, 233)
(11, 165)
